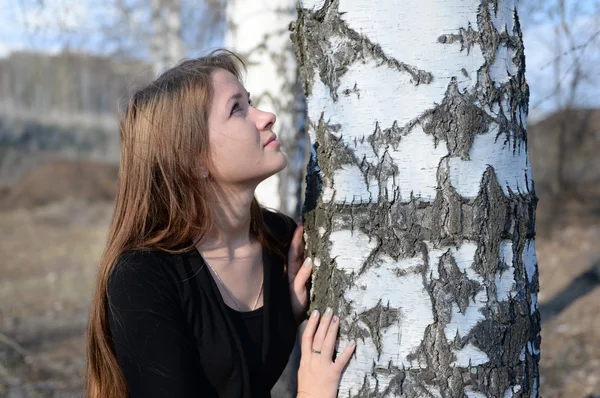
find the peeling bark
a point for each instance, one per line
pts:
(420, 205)
(259, 32)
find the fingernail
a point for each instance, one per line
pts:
(335, 319)
(327, 311)
(315, 313)
(352, 343)
(308, 262)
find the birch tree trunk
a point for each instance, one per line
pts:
(259, 31)
(420, 207)
(166, 42)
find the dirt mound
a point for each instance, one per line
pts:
(59, 180)
(563, 150)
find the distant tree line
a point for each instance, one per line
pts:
(80, 85)
(61, 105)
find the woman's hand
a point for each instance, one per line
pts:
(319, 375)
(299, 271)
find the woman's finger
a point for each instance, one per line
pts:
(309, 333)
(297, 246)
(295, 253)
(330, 337)
(303, 275)
(322, 330)
(342, 360)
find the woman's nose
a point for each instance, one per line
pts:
(265, 120)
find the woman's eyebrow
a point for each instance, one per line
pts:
(236, 96)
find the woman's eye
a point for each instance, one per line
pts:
(237, 107)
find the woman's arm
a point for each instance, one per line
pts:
(148, 330)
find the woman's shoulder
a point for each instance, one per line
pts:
(139, 269)
(139, 261)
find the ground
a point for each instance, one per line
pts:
(46, 279)
(570, 352)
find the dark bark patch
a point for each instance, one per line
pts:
(466, 37)
(456, 121)
(377, 319)
(461, 289)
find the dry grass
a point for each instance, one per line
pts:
(46, 283)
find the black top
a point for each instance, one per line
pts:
(174, 336)
(249, 326)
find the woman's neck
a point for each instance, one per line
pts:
(231, 223)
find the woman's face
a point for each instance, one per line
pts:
(243, 147)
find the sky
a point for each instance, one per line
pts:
(25, 25)
(543, 73)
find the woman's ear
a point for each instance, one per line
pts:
(204, 171)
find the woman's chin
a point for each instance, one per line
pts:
(279, 165)
(284, 163)
(275, 170)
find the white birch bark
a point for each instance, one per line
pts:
(420, 204)
(259, 31)
(166, 42)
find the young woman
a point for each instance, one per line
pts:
(200, 290)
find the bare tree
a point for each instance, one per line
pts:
(162, 35)
(573, 47)
(162, 31)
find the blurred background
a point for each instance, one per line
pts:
(63, 66)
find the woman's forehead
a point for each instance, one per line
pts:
(225, 83)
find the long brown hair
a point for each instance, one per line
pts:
(162, 200)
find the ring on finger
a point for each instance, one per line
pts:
(316, 351)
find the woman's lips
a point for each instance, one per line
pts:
(272, 141)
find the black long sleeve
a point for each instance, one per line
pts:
(148, 330)
(174, 336)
